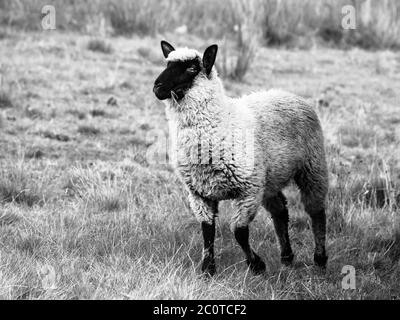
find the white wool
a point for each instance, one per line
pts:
(183, 54)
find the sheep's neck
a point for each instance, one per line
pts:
(203, 114)
(201, 110)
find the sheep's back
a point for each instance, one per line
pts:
(288, 133)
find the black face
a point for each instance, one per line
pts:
(176, 79)
(179, 76)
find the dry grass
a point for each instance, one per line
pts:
(21, 185)
(378, 23)
(247, 17)
(99, 45)
(5, 100)
(89, 217)
(245, 24)
(88, 130)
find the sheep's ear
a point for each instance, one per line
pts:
(209, 57)
(166, 48)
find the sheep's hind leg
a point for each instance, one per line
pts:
(280, 216)
(208, 266)
(318, 221)
(313, 189)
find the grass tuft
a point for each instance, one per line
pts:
(34, 153)
(100, 113)
(88, 130)
(98, 45)
(5, 100)
(97, 192)
(55, 136)
(77, 113)
(19, 185)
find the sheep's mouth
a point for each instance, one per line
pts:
(162, 93)
(178, 92)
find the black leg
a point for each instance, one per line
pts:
(280, 216)
(313, 184)
(208, 266)
(318, 220)
(255, 263)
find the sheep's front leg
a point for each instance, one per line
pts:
(256, 265)
(208, 266)
(246, 211)
(205, 211)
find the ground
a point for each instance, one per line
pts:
(86, 214)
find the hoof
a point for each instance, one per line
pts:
(208, 267)
(257, 266)
(287, 260)
(320, 260)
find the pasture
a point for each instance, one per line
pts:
(85, 214)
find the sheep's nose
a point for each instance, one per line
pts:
(159, 91)
(157, 84)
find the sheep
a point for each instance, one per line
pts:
(282, 139)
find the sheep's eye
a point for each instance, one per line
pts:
(191, 68)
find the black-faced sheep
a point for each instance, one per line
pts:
(246, 149)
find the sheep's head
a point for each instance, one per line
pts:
(183, 66)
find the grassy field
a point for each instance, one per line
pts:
(276, 22)
(85, 214)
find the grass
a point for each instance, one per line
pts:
(88, 130)
(85, 214)
(239, 25)
(377, 22)
(99, 45)
(19, 185)
(98, 113)
(55, 136)
(5, 100)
